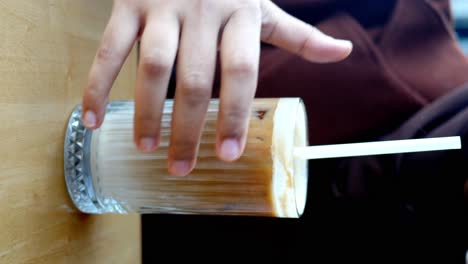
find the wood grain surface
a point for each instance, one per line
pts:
(46, 49)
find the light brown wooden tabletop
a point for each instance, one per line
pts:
(46, 49)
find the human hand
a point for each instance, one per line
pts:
(194, 30)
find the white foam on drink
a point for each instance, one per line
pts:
(290, 174)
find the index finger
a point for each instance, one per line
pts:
(117, 42)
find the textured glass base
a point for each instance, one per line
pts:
(80, 185)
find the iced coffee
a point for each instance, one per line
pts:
(106, 173)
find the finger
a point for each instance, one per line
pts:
(117, 42)
(195, 74)
(294, 35)
(240, 50)
(158, 50)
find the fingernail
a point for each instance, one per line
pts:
(147, 144)
(89, 119)
(180, 167)
(230, 149)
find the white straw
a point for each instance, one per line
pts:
(377, 148)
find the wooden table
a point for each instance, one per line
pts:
(46, 49)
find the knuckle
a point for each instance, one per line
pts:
(147, 127)
(106, 54)
(241, 66)
(183, 148)
(147, 123)
(195, 88)
(196, 83)
(146, 119)
(126, 5)
(250, 6)
(93, 93)
(307, 42)
(235, 114)
(301, 51)
(269, 23)
(204, 6)
(156, 64)
(203, 3)
(248, 9)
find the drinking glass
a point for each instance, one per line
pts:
(106, 173)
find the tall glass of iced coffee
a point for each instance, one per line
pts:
(106, 173)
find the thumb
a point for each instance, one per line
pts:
(287, 32)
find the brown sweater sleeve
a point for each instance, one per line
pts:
(398, 65)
